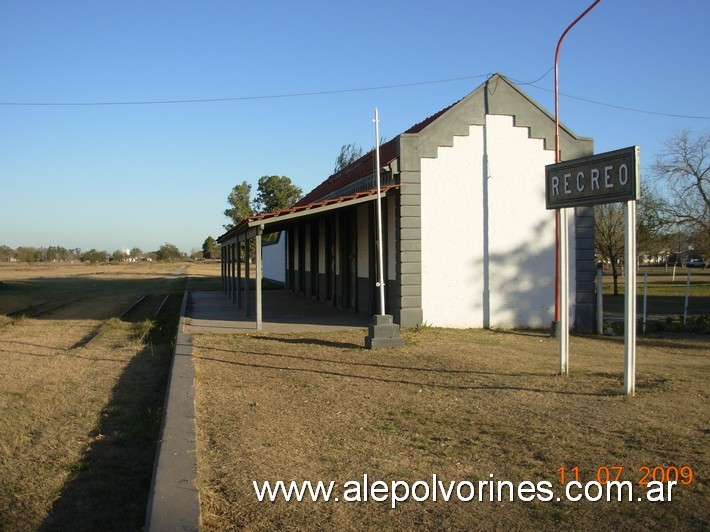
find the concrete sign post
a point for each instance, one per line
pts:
(564, 291)
(630, 299)
(610, 177)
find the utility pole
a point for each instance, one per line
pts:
(383, 332)
(562, 234)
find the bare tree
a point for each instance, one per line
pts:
(348, 153)
(609, 237)
(683, 170)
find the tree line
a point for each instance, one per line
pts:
(274, 193)
(167, 252)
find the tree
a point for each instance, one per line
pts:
(240, 204)
(94, 256)
(136, 253)
(276, 193)
(210, 250)
(683, 169)
(118, 255)
(28, 254)
(6, 253)
(609, 237)
(348, 154)
(168, 253)
(652, 238)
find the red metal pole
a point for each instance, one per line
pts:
(557, 157)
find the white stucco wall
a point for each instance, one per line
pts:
(274, 260)
(518, 254)
(452, 238)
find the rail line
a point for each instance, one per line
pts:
(148, 306)
(38, 309)
(142, 309)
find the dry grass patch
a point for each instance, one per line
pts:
(458, 404)
(53, 400)
(80, 393)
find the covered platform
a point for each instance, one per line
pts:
(282, 312)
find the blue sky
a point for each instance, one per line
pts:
(116, 176)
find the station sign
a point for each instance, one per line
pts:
(610, 177)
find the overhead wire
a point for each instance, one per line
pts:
(244, 98)
(341, 91)
(595, 102)
(621, 107)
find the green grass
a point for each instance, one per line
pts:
(661, 282)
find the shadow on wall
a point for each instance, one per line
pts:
(519, 283)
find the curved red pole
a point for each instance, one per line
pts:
(557, 85)
(557, 156)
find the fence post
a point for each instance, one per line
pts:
(600, 304)
(687, 294)
(645, 292)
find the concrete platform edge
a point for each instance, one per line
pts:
(174, 501)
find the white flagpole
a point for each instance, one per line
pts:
(380, 261)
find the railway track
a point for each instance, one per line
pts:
(41, 308)
(38, 309)
(146, 307)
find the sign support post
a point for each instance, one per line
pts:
(563, 330)
(630, 300)
(610, 177)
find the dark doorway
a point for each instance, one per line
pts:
(330, 259)
(302, 259)
(314, 242)
(348, 259)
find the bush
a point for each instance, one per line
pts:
(168, 253)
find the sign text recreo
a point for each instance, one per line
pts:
(609, 177)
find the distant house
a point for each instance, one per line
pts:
(467, 239)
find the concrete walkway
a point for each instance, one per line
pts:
(283, 312)
(174, 502)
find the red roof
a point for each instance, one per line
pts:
(365, 165)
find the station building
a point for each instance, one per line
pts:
(467, 239)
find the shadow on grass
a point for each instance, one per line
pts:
(108, 487)
(534, 333)
(312, 341)
(378, 366)
(673, 341)
(344, 374)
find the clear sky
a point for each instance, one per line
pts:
(117, 176)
